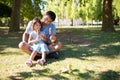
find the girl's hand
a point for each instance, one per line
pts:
(38, 35)
(38, 32)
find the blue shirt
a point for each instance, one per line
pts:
(45, 29)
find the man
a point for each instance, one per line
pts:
(50, 31)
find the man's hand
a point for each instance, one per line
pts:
(50, 31)
(52, 37)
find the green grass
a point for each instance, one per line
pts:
(94, 55)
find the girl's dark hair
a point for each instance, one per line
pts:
(34, 21)
(51, 14)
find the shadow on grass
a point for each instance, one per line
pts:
(109, 75)
(81, 43)
(46, 73)
(73, 47)
(77, 42)
(9, 40)
(83, 52)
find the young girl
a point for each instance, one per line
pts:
(36, 40)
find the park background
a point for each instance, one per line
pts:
(88, 29)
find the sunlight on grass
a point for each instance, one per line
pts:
(9, 49)
(94, 56)
(114, 44)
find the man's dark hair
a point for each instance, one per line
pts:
(51, 14)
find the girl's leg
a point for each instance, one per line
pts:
(43, 56)
(44, 49)
(43, 59)
(25, 47)
(33, 54)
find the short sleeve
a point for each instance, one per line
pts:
(46, 30)
(28, 29)
(53, 29)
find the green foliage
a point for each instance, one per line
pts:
(84, 9)
(62, 9)
(116, 9)
(97, 10)
(90, 9)
(72, 9)
(7, 2)
(5, 11)
(68, 9)
(37, 8)
(57, 7)
(29, 11)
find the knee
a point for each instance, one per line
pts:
(58, 46)
(21, 45)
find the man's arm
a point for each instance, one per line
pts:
(25, 37)
(52, 36)
(27, 32)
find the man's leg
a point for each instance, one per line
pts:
(56, 47)
(25, 48)
(54, 50)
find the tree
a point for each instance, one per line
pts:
(107, 22)
(97, 10)
(26, 10)
(5, 11)
(15, 16)
(86, 10)
(116, 11)
(57, 7)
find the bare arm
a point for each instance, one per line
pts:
(42, 37)
(52, 37)
(25, 37)
(39, 37)
(31, 41)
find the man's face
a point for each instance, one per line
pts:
(46, 20)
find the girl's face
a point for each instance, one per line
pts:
(37, 26)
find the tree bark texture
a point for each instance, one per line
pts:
(107, 22)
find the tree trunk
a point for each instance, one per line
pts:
(107, 22)
(71, 22)
(15, 16)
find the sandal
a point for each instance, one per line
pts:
(29, 63)
(41, 62)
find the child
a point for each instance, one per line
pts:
(36, 40)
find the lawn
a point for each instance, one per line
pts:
(94, 55)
